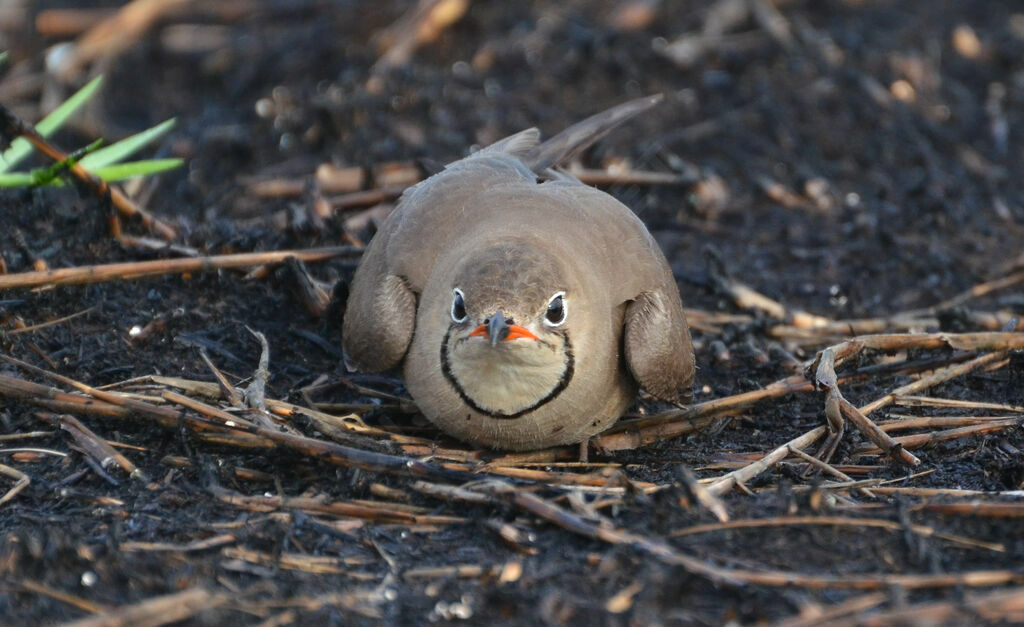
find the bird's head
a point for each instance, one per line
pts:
(508, 350)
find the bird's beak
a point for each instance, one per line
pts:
(498, 330)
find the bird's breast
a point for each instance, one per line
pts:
(510, 379)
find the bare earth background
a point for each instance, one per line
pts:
(852, 159)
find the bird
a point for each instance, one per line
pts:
(524, 308)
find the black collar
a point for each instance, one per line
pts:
(446, 368)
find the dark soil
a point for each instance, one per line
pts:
(925, 199)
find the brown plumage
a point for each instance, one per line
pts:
(524, 314)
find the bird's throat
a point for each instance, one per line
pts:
(506, 381)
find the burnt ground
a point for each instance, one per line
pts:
(863, 161)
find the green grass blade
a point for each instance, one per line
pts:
(3, 57)
(20, 148)
(48, 175)
(125, 148)
(121, 171)
(110, 174)
(16, 179)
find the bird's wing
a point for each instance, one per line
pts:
(659, 352)
(380, 315)
(656, 339)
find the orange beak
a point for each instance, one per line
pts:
(514, 332)
(497, 328)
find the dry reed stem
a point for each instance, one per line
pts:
(929, 492)
(157, 611)
(21, 481)
(815, 615)
(629, 434)
(64, 597)
(925, 440)
(386, 513)
(604, 178)
(44, 325)
(365, 198)
(730, 480)
(662, 551)
(902, 421)
(116, 34)
(346, 184)
(976, 508)
(895, 342)
(66, 23)
(746, 297)
(459, 571)
(804, 326)
(157, 267)
(707, 500)
(996, 607)
(939, 376)
(96, 447)
(363, 602)
(850, 327)
(228, 420)
(848, 485)
(838, 521)
(325, 451)
(559, 478)
(420, 24)
(981, 289)
(837, 406)
(10, 437)
(829, 468)
(187, 547)
(931, 401)
(228, 391)
(297, 561)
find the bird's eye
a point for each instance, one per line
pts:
(458, 306)
(557, 311)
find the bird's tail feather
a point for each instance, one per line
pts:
(580, 136)
(519, 145)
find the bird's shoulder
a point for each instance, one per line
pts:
(612, 234)
(493, 192)
(433, 215)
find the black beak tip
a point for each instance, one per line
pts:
(497, 328)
